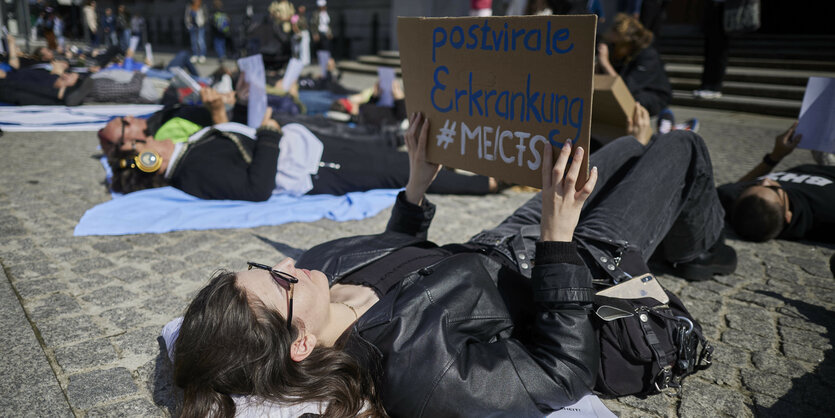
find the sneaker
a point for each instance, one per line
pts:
(688, 125)
(666, 121)
(193, 59)
(707, 94)
(202, 59)
(719, 259)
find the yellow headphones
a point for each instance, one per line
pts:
(146, 161)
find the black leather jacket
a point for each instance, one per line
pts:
(443, 341)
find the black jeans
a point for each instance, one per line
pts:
(716, 46)
(662, 194)
(358, 166)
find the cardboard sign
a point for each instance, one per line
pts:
(816, 123)
(613, 107)
(496, 90)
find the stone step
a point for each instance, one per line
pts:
(819, 54)
(745, 89)
(358, 67)
(390, 54)
(809, 65)
(379, 61)
(750, 75)
(760, 105)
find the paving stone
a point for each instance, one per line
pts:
(662, 405)
(168, 266)
(780, 272)
(801, 323)
(88, 389)
(700, 399)
(706, 312)
(110, 296)
(129, 274)
(53, 305)
(112, 245)
(748, 340)
(91, 264)
(755, 320)
(806, 338)
(86, 355)
(34, 288)
(158, 375)
(721, 373)
(67, 330)
(134, 408)
(769, 406)
(766, 383)
(126, 318)
(759, 299)
(814, 267)
(91, 281)
(140, 342)
(772, 363)
(803, 352)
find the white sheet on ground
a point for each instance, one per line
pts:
(63, 118)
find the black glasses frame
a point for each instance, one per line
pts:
(278, 275)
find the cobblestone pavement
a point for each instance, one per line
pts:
(81, 314)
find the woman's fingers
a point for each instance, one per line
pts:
(585, 192)
(574, 169)
(424, 133)
(562, 160)
(547, 166)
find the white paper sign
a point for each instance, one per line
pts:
(253, 68)
(816, 121)
(588, 406)
(386, 78)
(149, 54)
(324, 56)
(294, 70)
(186, 78)
(134, 42)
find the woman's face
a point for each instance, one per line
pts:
(311, 295)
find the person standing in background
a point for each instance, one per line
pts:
(321, 25)
(91, 24)
(653, 14)
(123, 27)
(196, 24)
(108, 28)
(716, 51)
(137, 27)
(301, 37)
(481, 8)
(221, 30)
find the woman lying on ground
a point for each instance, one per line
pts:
(233, 161)
(497, 324)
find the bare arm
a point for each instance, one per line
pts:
(603, 60)
(784, 144)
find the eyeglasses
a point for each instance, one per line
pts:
(280, 277)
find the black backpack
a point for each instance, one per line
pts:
(646, 346)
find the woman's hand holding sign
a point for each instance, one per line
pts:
(421, 172)
(561, 201)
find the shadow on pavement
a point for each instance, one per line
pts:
(812, 390)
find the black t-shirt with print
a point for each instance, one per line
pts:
(811, 192)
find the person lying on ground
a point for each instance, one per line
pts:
(48, 85)
(364, 107)
(798, 203)
(233, 161)
(395, 321)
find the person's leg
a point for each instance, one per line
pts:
(193, 38)
(201, 40)
(716, 47)
(668, 194)
(350, 167)
(220, 47)
(182, 60)
(609, 161)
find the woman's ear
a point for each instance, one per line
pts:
(302, 347)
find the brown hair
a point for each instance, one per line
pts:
(230, 344)
(127, 179)
(628, 30)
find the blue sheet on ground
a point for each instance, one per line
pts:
(168, 209)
